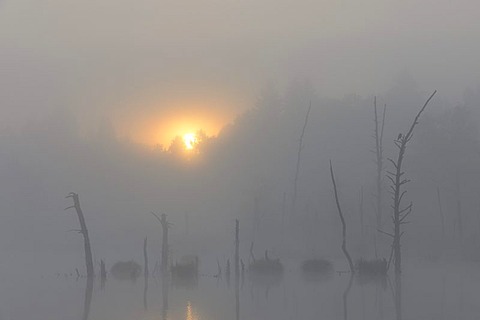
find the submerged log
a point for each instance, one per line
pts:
(266, 271)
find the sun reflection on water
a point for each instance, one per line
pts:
(190, 313)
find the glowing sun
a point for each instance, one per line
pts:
(189, 139)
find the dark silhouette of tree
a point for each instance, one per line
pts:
(398, 180)
(378, 135)
(83, 230)
(344, 225)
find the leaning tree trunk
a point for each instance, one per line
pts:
(297, 167)
(362, 227)
(378, 135)
(344, 226)
(398, 180)
(83, 230)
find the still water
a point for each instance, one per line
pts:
(428, 291)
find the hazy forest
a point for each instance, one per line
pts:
(218, 160)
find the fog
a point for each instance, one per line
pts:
(95, 98)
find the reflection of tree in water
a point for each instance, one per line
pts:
(398, 296)
(345, 297)
(164, 296)
(88, 298)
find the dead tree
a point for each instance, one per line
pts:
(362, 228)
(237, 271)
(344, 226)
(145, 274)
(458, 225)
(83, 230)
(378, 135)
(440, 212)
(237, 245)
(145, 257)
(297, 167)
(165, 225)
(103, 274)
(398, 180)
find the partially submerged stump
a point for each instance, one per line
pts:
(373, 267)
(266, 271)
(126, 270)
(372, 271)
(185, 272)
(317, 269)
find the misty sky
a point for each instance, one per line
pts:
(124, 62)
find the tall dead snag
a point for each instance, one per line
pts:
(165, 225)
(83, 230)
(440, 212)
(103, 274)
(397, 179)
(458, 223)
(237, 271)
(145, 274)
(378, 136)
(297, 167)
(145, 257)
(344, 226)
(362, 228)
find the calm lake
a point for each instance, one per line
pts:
(429, 291)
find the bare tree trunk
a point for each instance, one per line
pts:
(283, 219)
(344, 226)
(362, 228)
(440, 211)
(401, 213)
(103, 274)
(459, 220)
(83, 230)
(297, 167)
(145, 273)
(237, 270)
(145, 257)
(379, 160)
(165, 226)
